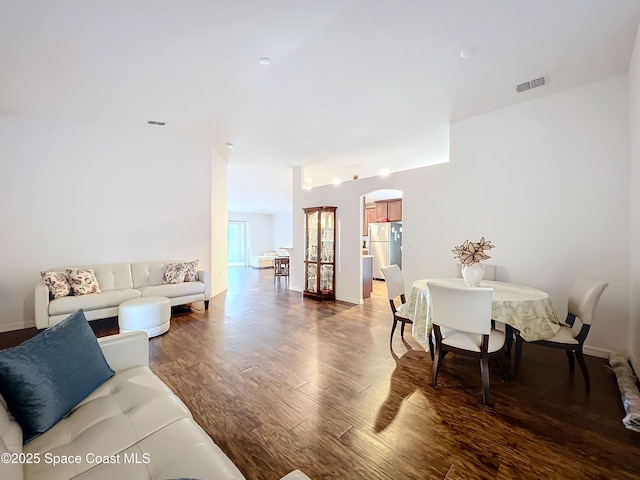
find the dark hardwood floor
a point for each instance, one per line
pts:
(281, 382)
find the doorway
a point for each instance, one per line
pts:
(381, 214)
(237, 237)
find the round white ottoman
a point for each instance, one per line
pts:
(151, 314)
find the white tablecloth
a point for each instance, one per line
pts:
(526, 309)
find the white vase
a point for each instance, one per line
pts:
(472, 274)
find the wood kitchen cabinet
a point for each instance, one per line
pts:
(369, 217)
(394, 210)
(381, 210)
(389, 209)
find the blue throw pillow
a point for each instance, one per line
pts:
(45, 377)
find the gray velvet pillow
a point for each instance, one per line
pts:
(48, 375)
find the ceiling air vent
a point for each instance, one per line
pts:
(536, 82)
(155, 122)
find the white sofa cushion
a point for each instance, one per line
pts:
(148, 273)
(179, 450)
(113, 276)
(92, 301)
(10, 442)
(10, 431)
(128, 407)
(9, 469)
(173, 290)
(110, 276)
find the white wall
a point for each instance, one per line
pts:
(75, 193)
(283, 226)
(634, 102)
(219, 226)
(545, 180)
(260, 231)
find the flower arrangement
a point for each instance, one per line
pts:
(472, 252)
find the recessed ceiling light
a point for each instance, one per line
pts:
(336, 181)
(384, 173)
(264, 61)
(468, 52)
(229, 145)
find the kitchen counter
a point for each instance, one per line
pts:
(367, 275)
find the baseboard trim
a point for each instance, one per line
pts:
(218, 292)
(356, 301)
(597, 352)
(16, 326)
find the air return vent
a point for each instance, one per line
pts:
(536, 82)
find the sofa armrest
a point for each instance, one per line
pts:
(126, 350)
(205, 277)
(42, 305)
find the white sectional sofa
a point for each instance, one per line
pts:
(119, 282)
(132, 427)
(267, 260)
(264, 261)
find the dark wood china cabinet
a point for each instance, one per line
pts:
(320, 249)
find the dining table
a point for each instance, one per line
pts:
(528, 310)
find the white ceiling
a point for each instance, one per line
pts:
(354, 86)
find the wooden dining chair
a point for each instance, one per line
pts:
(461, 318)
(583, 301)
(394, 280)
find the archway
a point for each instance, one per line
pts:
(381, 235)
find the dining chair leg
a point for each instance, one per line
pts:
(516, 367)
(435, 366)
(431, 347)
(570, 358)
(504, 370)
(583, 367)
(508, 333)
(484, 371)
(393, 329)
(402, 329)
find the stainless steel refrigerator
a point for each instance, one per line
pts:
(385, 242)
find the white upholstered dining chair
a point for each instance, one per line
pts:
(394, 280)
(461, 318)
(583, 301)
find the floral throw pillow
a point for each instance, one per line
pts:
(57, 282)
(175, 273)
(191, 274)
(83, 282)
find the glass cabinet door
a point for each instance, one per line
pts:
(312, 236)
(320, 252)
